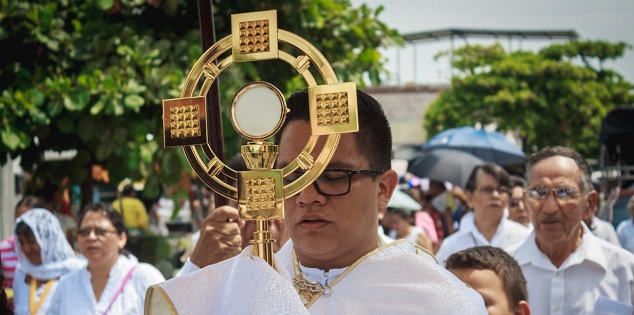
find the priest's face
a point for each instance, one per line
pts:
(333, 231)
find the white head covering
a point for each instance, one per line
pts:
(58, 257)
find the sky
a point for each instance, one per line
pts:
(611, 20)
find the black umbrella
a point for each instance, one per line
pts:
(444, 165)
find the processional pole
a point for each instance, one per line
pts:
(208, 39)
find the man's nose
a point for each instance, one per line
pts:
(310, 195)
(550, 204)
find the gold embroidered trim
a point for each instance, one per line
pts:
(312, 291)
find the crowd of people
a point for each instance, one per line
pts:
(502, 245)
(50, 278)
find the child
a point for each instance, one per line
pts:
(495, 275)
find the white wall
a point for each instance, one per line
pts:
(7, 198)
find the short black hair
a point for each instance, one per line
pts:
(30, 202)
(500, 174)
(585, 182)
(517, 181)
(374, 139)
(497, 260)
(128, 190)
(402, 213)
(107, 211)
(237, 164)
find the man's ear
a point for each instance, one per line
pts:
(593, 203)
(522, 308)
(387, 183)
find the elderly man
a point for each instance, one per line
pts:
(335, 261)
(568, 269)
(488, 189)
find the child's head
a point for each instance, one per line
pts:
(495, 275)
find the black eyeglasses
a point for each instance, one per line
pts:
(98, 232)
(562, 193)
(335, 182)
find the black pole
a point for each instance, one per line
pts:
(214, 121)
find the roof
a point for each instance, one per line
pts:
(465, 32)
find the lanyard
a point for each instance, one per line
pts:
(33, 306)
(125, 280)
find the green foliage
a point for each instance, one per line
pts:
(549, 97)
(91, 75)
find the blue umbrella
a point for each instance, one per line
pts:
(489, 146)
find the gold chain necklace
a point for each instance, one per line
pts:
(308, 291)
(33, 306)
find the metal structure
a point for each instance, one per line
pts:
(465, 33)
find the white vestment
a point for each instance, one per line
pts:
(397, 278)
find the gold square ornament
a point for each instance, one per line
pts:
(184, 121)
(254, 36)
(260, 195)
(333, 108)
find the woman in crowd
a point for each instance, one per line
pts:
(44, 256)
(112, 283)
(401, 227)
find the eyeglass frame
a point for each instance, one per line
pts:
(99, 232)
(575, 195)
(350, 174)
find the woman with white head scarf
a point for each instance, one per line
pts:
(44, 256)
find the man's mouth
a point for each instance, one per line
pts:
(313, 224)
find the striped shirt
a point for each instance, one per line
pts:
(9, 260)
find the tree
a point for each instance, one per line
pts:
(90, 75)
(557, 96)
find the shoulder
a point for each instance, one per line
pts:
(134, 201)
(455, 239)
(7, 244)
(403, 264)
(70, 282)
(517, 226)
(615, 254)
(523, 251)
(148, 273)
(514, 233)
(627, 224)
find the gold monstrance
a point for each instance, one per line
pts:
(258, 111)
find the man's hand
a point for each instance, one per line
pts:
(219, 237)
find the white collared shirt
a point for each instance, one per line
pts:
(508, 233)
(75, 294)
(595, 270)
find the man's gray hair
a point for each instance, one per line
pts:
(585, 182)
